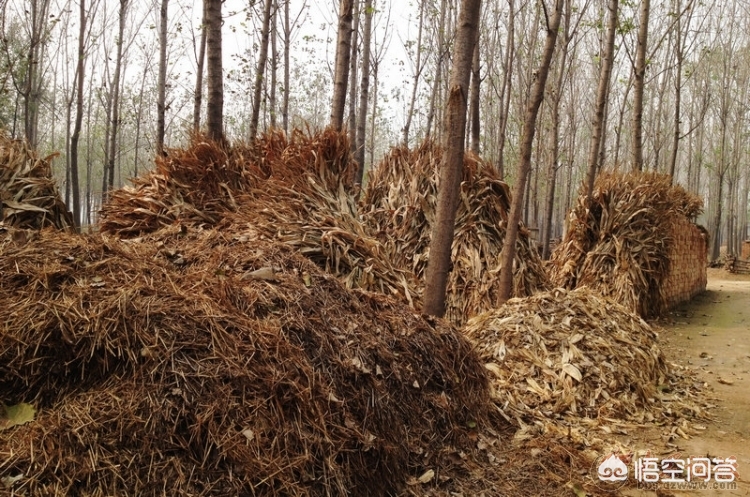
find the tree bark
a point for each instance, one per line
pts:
(601, 96)
(474, 102)
(554, 160)
(440, 50)
(505, 93)
(75, 187)
(115, 89)
(364, 94)
(161, 83)
(201, 58)
(341, 74)
(640, 75)
(287, 43)
(262, 58)
(353, 80)
(215, 110)
(451, 172)
(527, 139)
(417, 74)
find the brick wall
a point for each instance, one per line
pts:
(746, 250)
(688, 256)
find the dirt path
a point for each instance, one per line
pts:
(711, 333)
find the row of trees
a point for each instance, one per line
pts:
(628, 85)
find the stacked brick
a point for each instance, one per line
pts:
(746, 250)
(687, 268)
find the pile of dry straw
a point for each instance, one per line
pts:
(193, 348)
(399, 207)
(618, 240)
(28, 194)
(194, 363)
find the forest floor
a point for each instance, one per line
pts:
(710, 334)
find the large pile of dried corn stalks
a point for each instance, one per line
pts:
(28, 195)
(575, 358)
(295, 190)
(618, 239)
(203, 363)
(399, 206)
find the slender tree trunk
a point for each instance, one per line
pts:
(505, 93)
(474, 102)
(201, 58)
(353, 81)
(364, 94)
(527, 139)
(440, 50)
(75, 187)
(618, 130)
(451, 173)
(161, 83)
(114, 126)
(640, 76)
(262, 58)
(215, 107)
(343, 53)
(274, 65)
(554, 162)
(601, 95)
(287, 42)
(417, 74)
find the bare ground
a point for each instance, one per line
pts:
(711, 334)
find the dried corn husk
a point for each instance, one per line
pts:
(574, 357)
(618, 239)
(399, 206)
(28, 194)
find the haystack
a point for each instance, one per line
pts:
(575, 358)
(201, 363)
(295, 190)
(399, 205)
(28, 195)
(618, 240)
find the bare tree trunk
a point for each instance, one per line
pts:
(527, 139)
(505, 93)
(274, 64)
(640, 75)
(353, 81)
(115, 89)
(287, 43)
(554, 160)
(417, 73)
(215, 107)
(201, 58)
(451, 172)
(440, 50)
(601, 96)
(161, 83)
(75, 187)
(262, 58)
(364, 94)
(343, 53)
(474, 102)
(621, 120)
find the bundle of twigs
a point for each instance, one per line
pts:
(399, 207)
(28, 195)
(618, 239)
(576, 358)
(196, 362)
